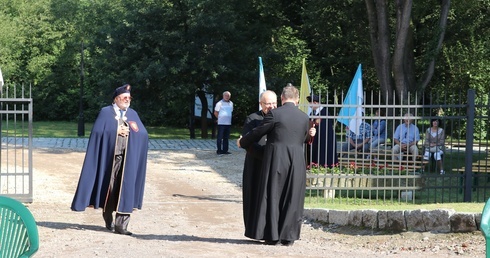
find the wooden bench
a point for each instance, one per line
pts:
(477, 168)
(480, 166)
(384, 159)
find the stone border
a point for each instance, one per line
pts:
(437, 221)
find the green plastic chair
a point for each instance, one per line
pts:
(18, 230)
(485, 227)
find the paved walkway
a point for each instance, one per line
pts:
(155, 144)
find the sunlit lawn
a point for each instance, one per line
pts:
(57, 129)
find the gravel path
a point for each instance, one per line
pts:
(192, 208)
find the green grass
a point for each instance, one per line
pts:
(42, 129)
(439, 192)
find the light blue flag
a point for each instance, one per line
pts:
(351, 114)
(262, 87)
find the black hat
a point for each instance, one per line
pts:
(313, 98)
(126, 88)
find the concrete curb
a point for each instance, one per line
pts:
(436, 221)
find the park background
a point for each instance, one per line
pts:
(72, 54)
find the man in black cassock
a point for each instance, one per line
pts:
(114, 170)
(253, 161)
(324, 146)
(282, 182)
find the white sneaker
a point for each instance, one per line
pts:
(442, 172)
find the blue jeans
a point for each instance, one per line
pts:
(375, 142)
(222, 138)
(346, 146)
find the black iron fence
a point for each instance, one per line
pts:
(16, 140)
(458, 173)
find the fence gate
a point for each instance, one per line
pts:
(16, 139)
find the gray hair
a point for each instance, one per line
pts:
(266, 93)
(290, 93)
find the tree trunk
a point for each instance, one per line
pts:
(380, 45)
(403, 15)
(400, 71)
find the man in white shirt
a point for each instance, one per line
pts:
(223, 111)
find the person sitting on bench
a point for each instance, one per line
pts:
(358, 142)
(406, 138)
(434, 143)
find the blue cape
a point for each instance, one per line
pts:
(95, 176)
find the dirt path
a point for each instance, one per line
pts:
(192, 208)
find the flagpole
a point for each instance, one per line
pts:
(1, 104)
(81, 121)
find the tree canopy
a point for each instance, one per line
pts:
(169, 49)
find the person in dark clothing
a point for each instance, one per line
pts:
(281, 186)
(324, 146)
(253, 161)
(114, 169)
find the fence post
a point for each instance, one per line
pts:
(470, 123)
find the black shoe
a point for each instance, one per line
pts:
(122, 231)
(271, 242)
(219, 152)
(109, 226)
(227, 152)
(287, 242)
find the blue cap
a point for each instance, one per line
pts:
(313, 98)
(126, 88)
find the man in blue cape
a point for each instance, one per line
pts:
(114, 170)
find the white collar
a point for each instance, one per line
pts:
(116, 108)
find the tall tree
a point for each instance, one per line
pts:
(336, 32)
(402, 72)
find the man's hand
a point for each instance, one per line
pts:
(404, 147)
(312, 131)
(123, 130)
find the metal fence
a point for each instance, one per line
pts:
(378, 176)
(16, 154)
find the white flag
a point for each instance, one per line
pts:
(1, 81)
(262, 87)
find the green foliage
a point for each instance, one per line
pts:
(169, 49)
(339, 42)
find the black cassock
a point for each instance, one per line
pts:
(324, 146)
(282, 179)
(251, 172)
